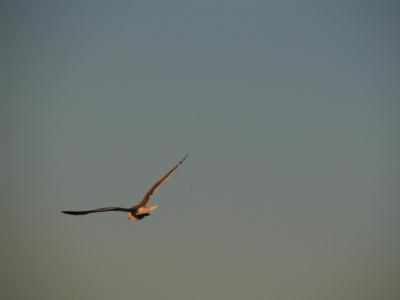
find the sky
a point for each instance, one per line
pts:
(290, 112)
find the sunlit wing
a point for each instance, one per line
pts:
(85, 212)
(160, 182)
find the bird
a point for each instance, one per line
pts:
(140, 210)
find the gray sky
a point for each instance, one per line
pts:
(290, 110)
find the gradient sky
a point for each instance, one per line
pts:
(290, 110)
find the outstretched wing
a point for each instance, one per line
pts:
(85, 212)
(159, 183)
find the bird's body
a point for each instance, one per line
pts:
(140, 210)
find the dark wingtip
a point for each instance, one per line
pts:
(187, 154)
(68, 212)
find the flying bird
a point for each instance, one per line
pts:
(140, 210)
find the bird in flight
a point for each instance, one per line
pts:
(140, 210)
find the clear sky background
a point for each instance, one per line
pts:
(290, 110)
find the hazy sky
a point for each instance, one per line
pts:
(290, 110)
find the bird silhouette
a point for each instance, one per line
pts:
(140, 210)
